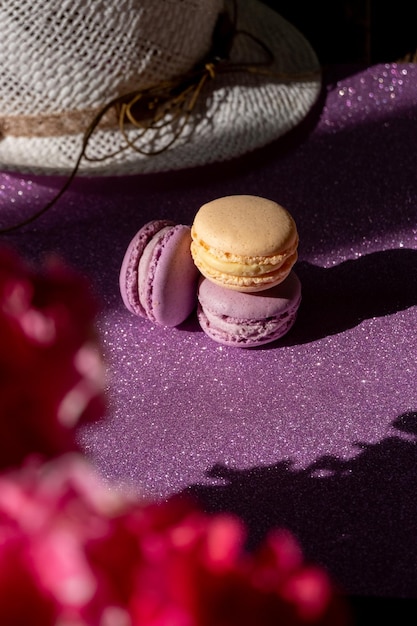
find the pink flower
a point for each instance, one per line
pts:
(22, 600)
(81, 553)
(49, 516)
(51, 370)
(195, 572)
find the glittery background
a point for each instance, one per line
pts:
(317, 431)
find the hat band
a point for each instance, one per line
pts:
(74, 122)
(54, 124)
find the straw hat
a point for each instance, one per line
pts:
(62, 62)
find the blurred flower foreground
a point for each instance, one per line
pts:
(76, 552)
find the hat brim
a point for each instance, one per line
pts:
(237, 112)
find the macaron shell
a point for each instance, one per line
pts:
(167, 277)
(244, 226)
(246, 320)
(128, 275)
(243, 242)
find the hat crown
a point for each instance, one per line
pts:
(60, 55)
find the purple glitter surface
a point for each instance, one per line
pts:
(318, 430)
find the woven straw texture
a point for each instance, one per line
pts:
(73, 54)
(62, 60)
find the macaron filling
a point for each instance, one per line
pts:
(241, 266)
(250, 283)
(128, 278)
(146, 271)
(167, 276)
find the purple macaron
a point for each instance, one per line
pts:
(246, 320)
(158, 278)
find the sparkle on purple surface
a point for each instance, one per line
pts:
(316, 431)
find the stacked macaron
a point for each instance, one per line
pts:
(245, 248)
(234, 265)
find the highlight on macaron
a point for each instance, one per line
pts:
(233, 267)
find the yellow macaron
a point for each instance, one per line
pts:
(244, 242)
